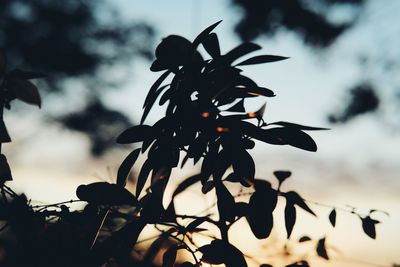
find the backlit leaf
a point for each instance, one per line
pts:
(298, 126)
(290, 217)
(282, 175)
(138, 133)
(221, 252)
(261, 59)
(5, 171)
(296, 199)
(368, 225)
(238, 107)
(211, 45)
(321, 249)
(241, 50)
(200, 38)
(143, 175)
(332, 217)
(4, 136)
(304, 239)
(126, 167)
(103, 193)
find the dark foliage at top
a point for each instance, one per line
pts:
(205, 120)
(68, 40)
(307, 18)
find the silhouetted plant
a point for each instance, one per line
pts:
(205, 121)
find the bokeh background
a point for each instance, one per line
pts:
(343, 73)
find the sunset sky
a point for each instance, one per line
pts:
(356, 163)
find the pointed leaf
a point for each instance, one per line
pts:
(290, 217)
(155, 86)
(126, 167)
(332, 217)
(368, 225)
(143, 175)
(200, 38)
(321, 250)
(261, 91)
(138, 133)
(296, 199)
(186, 183)
(225, 203)
(261, 59)
(298, 126)
(194, 224)
(211, 45)
(5, 171)
(238, 107)
(4, 136)
(241, 50)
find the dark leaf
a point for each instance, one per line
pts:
(290, 217)
(169, 256)
(154, 87)
(368, 225)
(5, 171)
(261, 205)
(304, 239)
(200, 38)
(242, 209)
(186, 183)
(243, 165)
(225, 203)
(211, 45)
(261, 59)
(298, 126)
(261, 91)
(138, 133)
(221, 252)
(241, 50)
(238, 107)
(102, 193)
(332, 217)
(24, 90)
(194, 224)
(207, 187)
(143, 175)
(321, 250)
(126, 166)
(282, 175)
(4, 136)
(296, 199)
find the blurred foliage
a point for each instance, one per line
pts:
(309, 19)
(74, 40)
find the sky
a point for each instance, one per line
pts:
(356, 163)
